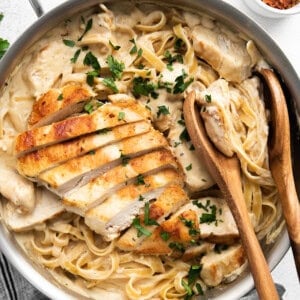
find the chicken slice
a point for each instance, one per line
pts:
(127, 202)
(217, 224)
(167, 202)
(47, 206)
(217, 266)
(196, 175)
(228, 56)
(80, 170)
(33, 163)
(94, 192)
(106, 116)
(57, 104)
(17, 189)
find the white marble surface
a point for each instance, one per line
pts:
(286, 32)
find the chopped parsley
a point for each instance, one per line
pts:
(75, 56)
(140, 52)
(90, 77)
(162, 110)
(220, 247)
(91, 60)
(188, 289)
(209, 217)
(177, 246)
(114, 46)
(189, 167)
(88, 27)
(140, 229)
(200, 205)
(60, 97)
(181, 85)
(125, 159)
(143, 87)
(121, 116)
(116, 68)
(165, 235)
(184, 135)
(147, 219)
(178, 44)
(1, 16)
(141, 198)
(171, 59)
(4, 44)
(140, 180)
(69, 43)
(103, 131)
(134, 48)
(110, 83)
(189, 224)
(193, 275)
(181, 122)
(207, 98)
(91, 106)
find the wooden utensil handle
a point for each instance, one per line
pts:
(259, 268)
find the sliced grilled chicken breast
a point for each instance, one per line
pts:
(33, 163)
(57, 104)
(94, 192)
(47, 206)
(228, 56)
(217, 266)
(78, 171)
(127, 202)
(166, 203)
(106, 116)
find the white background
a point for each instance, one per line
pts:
(18, 15)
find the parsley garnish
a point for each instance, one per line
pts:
(121, 116)
(171, 59)
(90, 77)
(181, 85)
(163, 110)
(219, 248)
(103, 131)
(193, 275)
(113, 46)
(140, 52)
(69, 43)
(141, 198)
(142, 86)
(60, 97)
(189, 224)
(88, 27)
(178, 44)
(184, 135)
(116, 68)
(134, 48)
(110, 83)
(209, 217)
(200, 205)
(88, 107)
(189, 291)
(147, 219)
(75, 57)
(177, 246)
(207, 98)
(91, 60)
(125, 159)
(140, 180)
(140, 229)
(181, 122)
(4, 44)
(189, 167)
(165, 235)
(1, 16)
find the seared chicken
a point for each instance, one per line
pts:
(217, 266)
(57, 104)
(34, 163)
(78, 171)
(94, 192)
(47, 206)
(106, 116)
(127, 203)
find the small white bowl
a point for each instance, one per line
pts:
(261, 8)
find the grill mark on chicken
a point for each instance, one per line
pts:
(105, 116)
(78, 171)
(50, 108)
(95, 191)
(32, 164)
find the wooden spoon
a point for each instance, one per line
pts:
(226, 173)
(280, 161)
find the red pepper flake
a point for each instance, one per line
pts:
(281, 4)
